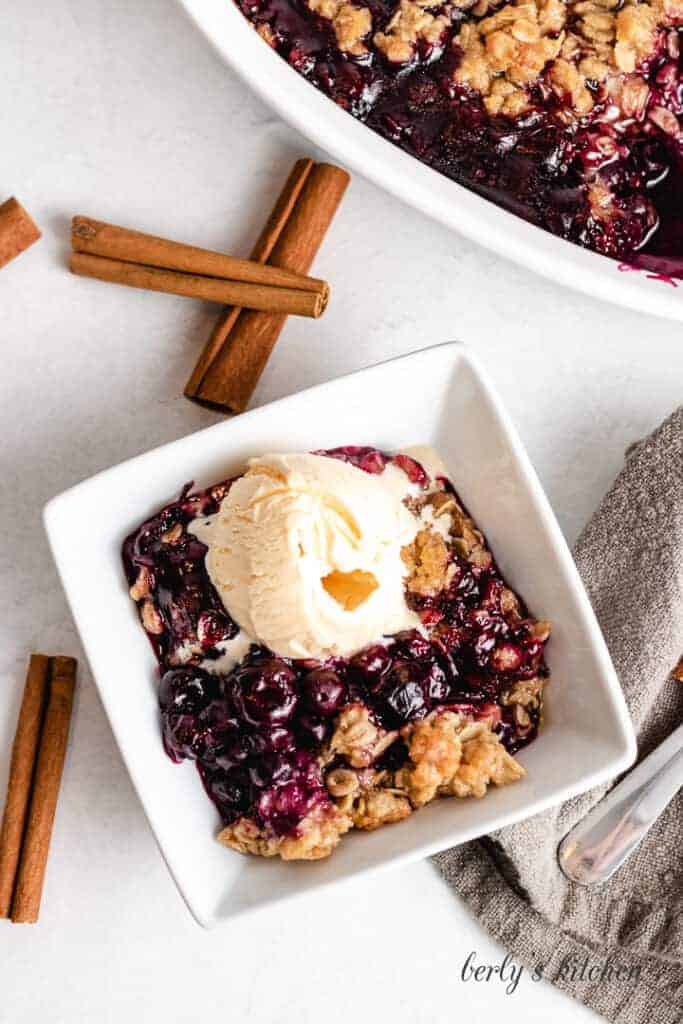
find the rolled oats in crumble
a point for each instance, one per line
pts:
(411, 23)
(358, 738)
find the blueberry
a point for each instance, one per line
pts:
(482, 647)
(477, 686)
(186, 690)
(282, 807)
(216, 716)
(370, 460)
(324, 691)
(506, 657)
(403, 692)
(230, 789)
(312, 731)
(234, 746)
(181, 735)
(370, 664)
(269, 770)
(406, 702)
(413, 644)
(213, 627)
(273, 739)
(264, 693)
(412, 469)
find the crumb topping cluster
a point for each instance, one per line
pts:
(411, 23)
(572, 46)
(503, 53)
(351, 23)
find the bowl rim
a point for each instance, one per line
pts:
(624, 742)
(352, 143)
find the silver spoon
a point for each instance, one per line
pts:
(602, 841)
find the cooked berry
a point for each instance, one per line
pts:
(403, 695)
(413, 644)
(371, 663)
(235, 744)
(182, 736)
(324, 691)
(231, 790)
(265, 692)
(269, 770)
(412, 469)
(312, 731)
(272, 739)
(436, 684)
(213, 627)
(282, 807)
(186, 690)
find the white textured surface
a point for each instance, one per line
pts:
(118, 109)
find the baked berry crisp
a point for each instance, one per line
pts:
(295, 751)
(565, 112)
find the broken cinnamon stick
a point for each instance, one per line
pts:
(117, 243)
(286, 301)
(239, 347)
(18, 230)
(48, 776)
(22, 764)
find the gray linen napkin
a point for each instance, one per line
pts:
(618, 947)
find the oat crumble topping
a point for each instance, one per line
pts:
(351, 23)
(427, 561)
(141, 587)
(525, 692)
(435, 751)
(410, 23)
(380, 807)
(455, 756)
(576, 45)
(317, 835)
(358, 738)
(505, 52)
(485, 761)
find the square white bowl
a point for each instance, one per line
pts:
(437, 396)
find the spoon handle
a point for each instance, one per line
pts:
(593, 850)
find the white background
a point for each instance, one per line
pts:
(120, 110)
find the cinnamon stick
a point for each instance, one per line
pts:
(286, 301)
(261, 252)
(21, 770)
(48, 774)
(239, 347)
(100, 239)
(18, 230)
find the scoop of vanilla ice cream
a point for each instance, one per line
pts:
(305, 553)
